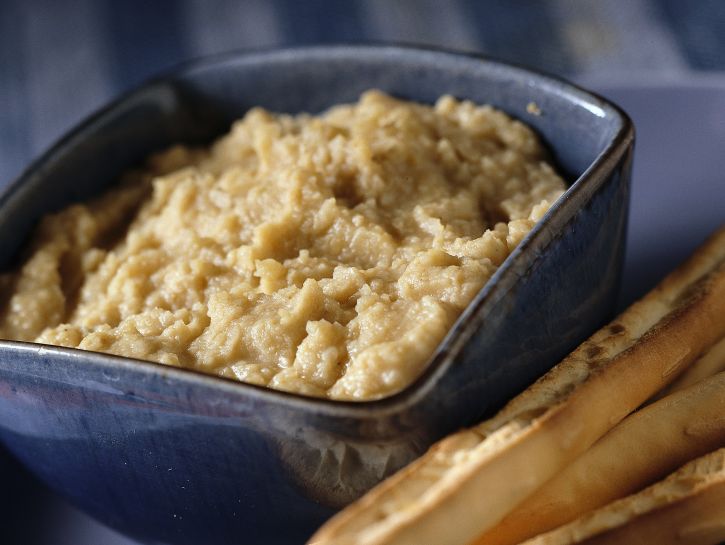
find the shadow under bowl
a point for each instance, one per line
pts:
(172, 456)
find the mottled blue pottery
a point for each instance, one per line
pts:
(171, 456)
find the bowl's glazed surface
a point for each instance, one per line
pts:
(171, 456)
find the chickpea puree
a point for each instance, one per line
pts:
(325, 255)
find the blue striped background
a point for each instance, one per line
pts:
(59, 60)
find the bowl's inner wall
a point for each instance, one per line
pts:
(197, 104)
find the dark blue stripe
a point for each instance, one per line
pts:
(699, 27)
(320, 21)
(144, 37)
(14, 105)
(520, 31)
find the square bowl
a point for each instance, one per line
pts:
(173, 456)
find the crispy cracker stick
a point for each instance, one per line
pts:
(687, 508)
(469, 481)
(644, 447)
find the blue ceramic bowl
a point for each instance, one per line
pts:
(167, 455)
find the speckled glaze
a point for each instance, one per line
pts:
(171, 456)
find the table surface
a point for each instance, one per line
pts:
(678, 197)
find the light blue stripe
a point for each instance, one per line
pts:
(225, 25)
(521, 31)
(429, 22)
(617, 36)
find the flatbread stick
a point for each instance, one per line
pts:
(687, 508)
(468, 482)
(644, 447)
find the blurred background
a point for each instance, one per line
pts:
(62, 59)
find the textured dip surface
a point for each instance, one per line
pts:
(324, 255)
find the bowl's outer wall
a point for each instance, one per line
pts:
(171, 457)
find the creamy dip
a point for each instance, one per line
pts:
(325, 255)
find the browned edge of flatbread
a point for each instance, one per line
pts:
(686, 508)
(646, 446)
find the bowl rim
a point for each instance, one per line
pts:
(577, 194)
